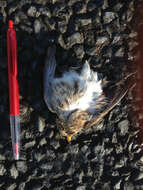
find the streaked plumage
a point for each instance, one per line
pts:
(76, 98)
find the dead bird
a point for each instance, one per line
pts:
(76, 98)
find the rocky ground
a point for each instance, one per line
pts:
(106, 157)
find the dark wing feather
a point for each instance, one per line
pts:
(117, 98)
(49, 72)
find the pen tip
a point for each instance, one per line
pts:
(10, 24)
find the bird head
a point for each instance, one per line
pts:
(73, 124)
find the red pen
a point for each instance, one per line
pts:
(13, 90)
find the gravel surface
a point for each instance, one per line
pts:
(106, 157)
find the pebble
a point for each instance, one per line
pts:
(108, 17)
(29, 144)
(101, 40)
(41, 124)
(21, 166)
(62, 26)
(43, 142)
(46, 166)
(83, 21)
(117, 185)
(79, 51)
(37, 26)
(2, 170)
(14, 172)
(124, 127)
(32, 11)
(12, 186)
(81, 187)
(75, 38)
(45, 11)
(128, 186)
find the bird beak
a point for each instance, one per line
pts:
(69, 139)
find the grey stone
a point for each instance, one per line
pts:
(109, 17)
(62, 26)
(21, 166)
(29, 144)
(123, 126)
(43, 142)
(75, 38)
(83, 21)
(12, 186)
(79, 51)
(32, 11)
(101, 40)
(2, 170)
(128, 186)
(37, 26)
(14, 172)
(41, 124)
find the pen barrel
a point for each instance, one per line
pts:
(12, 71)
(15, 135)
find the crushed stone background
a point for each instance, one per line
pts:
(105, 157)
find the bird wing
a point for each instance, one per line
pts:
(49, 72)
(117, 98)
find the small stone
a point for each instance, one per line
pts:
(46, 166)
(75, 38)
(120, 52)
(108, 17)
(32, 11)
(21, 166)
(83, 21)
(14, 172)
(139, 177)
(101, 40)
(37, 26)
(117, 185)
(12, 186)
(43, 141)
(62, 26)
(123, 126)
(45, 11)
(81, 187)
(29, 144)
(41, 124)
(117, 38)
(128, 186)
(2, 157)
(22, 186)
(12, 9)
(2, 170)
(79, 51)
